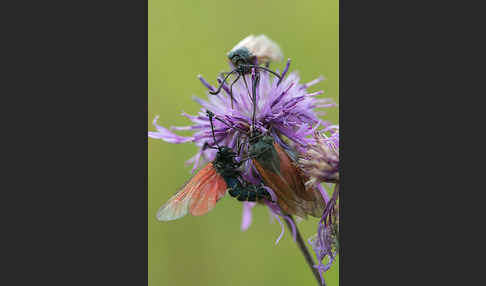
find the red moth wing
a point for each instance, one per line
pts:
(199, 195)
(211, 191)
(286, 199)
(288, 184)
(310, 199)
(291, 174)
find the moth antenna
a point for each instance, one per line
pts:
(241, 145)
(206, 146)
(256, 80)
(211, 115)
(246, 158)
(222, 121)
(238, 145)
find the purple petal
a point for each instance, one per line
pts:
(292, 224)
(313, 82)
(324, 194)
(286, 69)
(272, 193)
(166, 135)
(205, 83)
(283, 229)
(246, 218)
(316, 93)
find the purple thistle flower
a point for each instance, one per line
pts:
(282, 110)
(321, 161)
(285, 110)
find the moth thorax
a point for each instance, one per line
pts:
(263, 151)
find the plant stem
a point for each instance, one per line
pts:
(304, 250)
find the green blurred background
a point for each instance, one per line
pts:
(187, 38)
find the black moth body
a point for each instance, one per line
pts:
(227, 167)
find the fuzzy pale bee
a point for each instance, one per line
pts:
(251, 53)
(261, 47)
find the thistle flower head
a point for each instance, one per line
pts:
(283, 109)
(270, 119)
(321, 161)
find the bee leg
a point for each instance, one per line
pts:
(255, 83)
(222, 74)
(247, 89)
(231, 89)
(222, 83)
(264, 68)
